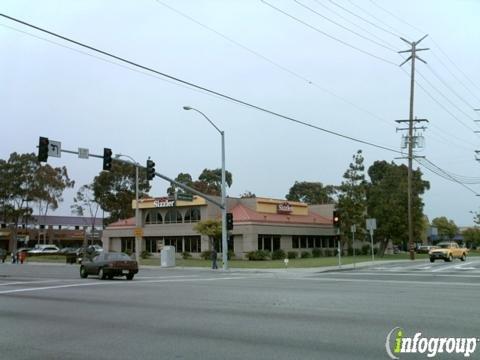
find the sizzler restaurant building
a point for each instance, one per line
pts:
(259, 224)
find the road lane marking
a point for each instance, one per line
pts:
(407, 282)
(452, 266)
(32, 282)
(117, 283)
(425, 274)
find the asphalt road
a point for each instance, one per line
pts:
(48, 312)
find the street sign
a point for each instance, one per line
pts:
(138, 232)
(54, 148)
(184, 197)
(371, 224)
(83, 153)
(353, 228)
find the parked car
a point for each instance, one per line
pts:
(425, 249)
(68, 250)
(95, 248)
(108, 265)
(44, 249)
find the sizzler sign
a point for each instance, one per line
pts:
(284, 208)
(163, 202)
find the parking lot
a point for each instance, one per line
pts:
(48, 312)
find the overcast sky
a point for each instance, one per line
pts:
(315, 71)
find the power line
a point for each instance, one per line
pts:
(193, 85)
(365, 20)
(344, 18)
(327, 35)
(344, 27)
(433, 41)
(274, 63)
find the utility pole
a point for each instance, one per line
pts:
(412, 57)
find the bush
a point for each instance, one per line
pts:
(292, 254)
(278, 255)
(258, 255)
(145, 254)
(230, 255)
(186, 255)
(306, 254)
(206, 255)
(365, 249)
(316, 253)
(329, 252)
(128, 252)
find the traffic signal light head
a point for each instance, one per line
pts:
(150, 170)
(43, 149)
(107, 159)
(336, 219)
(229, 221)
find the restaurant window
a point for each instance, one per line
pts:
(303, 242)
(192, 244)
(295, 242)
(151, 245)
(174, 241)
(331, 242)
(153, 217)
(173, 216)
(268, 242)
(318, 242)
(128, 245)
(311, 242)
(192, 215)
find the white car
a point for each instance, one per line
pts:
(44, 249)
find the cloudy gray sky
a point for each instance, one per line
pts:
(297, 63)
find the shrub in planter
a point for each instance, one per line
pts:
(145, 254)
(292, 254)
(278, 255)
(206, 255)
(258, 255)
(306, 254)
(316, 253)
(186, 255)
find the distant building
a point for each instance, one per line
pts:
(259, 224)
(59, 230)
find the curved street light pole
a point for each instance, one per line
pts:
(224, 204)
(138, 239)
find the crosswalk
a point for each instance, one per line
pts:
(469, 266)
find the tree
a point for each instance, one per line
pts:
(84, 202)
(49, 185)
(352, 197)
(472, 236)
(209, 182)
(184, 178)
(387, 201)
(211, 228)
(248, 195)
(311, 193)
(446, 228)
(114, 190)
(24, 181)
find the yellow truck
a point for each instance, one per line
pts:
(448, 251)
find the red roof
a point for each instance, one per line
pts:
(123, 223)
(243, 214)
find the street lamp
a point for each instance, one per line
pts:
(138, 239)
(224, 205)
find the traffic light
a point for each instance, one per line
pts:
(43, 149)
(107, 159)
(229, 221)
(150, 170)
(336, 219)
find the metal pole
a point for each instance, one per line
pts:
(371, 244)
(410, 155)
(224, 209)
(138, 239)
(353, 228)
